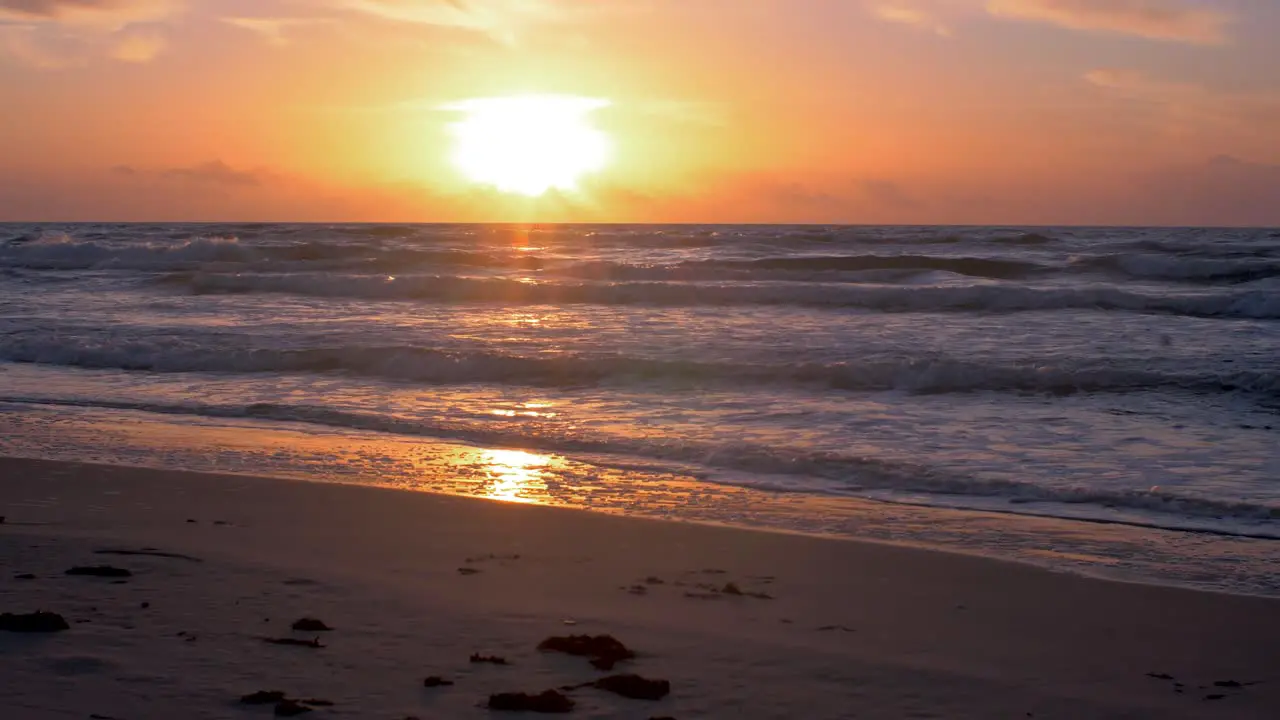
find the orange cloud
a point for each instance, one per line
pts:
(138, 45)
(52, 34)
(906, 12)
(273, 29)
(1175, 20)
(112, 13)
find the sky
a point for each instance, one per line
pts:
(1027, 112)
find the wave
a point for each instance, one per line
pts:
(60, 252)
(840, 474)
(1030, 239)
(1257, 304)
(383, 250)
(970, 266)
(1185, 269)
(380, 263)
(438, 367)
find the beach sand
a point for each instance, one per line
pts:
(415, 583)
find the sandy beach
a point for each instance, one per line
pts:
(414, 584)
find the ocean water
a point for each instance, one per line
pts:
(950, 386)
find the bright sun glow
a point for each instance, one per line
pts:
(529, 144)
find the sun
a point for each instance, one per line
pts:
(529, 144)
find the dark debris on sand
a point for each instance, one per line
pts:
(315, 643)
(632, 687)
(635, 687)
(489, 659)
(436, 681)
(105, 571)
(491, 557)
(36, 622)
(263, 697)
(733, 589)
(284, 706)
(149, 552)
(24, 576)
(291, 708)
(308, 624)
(605, 651)
(1233, 684)
(549, 702)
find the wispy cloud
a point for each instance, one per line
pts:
(110, 13)
(276, 30)
(27, 45)
(51, 34)
(499, 19)
(909, 12)
(138, 44)
(1188, 21)
(503, 20)
(214, 172)
(1175, 20)
(211, 173)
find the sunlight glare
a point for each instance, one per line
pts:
(515, 476)
(529, 144)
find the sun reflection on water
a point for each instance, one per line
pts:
(515, 475)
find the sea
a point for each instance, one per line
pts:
(1094, 400)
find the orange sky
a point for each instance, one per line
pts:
(883, 111)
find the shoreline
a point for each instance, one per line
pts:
(860, 629)
(1134, 552)
(767, 530)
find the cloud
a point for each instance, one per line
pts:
(1175, 20)
(212, 173)
(109, 13)
(907, 12)
(215, 172)
(275, 30)
(138, 45)
(52, 34)
(28, 45)
(496, 18)
(887, 194)
(505, 21)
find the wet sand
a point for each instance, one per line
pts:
(743, 624)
